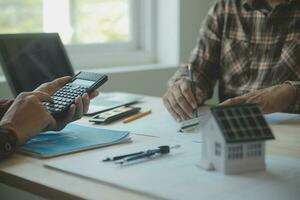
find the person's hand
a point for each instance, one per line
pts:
(27, 116)
(273, 99)
(180, 101)
(76, 110)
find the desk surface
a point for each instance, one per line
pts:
(29, 174)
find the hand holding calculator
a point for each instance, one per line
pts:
(83, 82)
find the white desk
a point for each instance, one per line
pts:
(29, 174)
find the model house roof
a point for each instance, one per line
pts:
(242, 123)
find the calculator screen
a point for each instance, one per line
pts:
(82, 82)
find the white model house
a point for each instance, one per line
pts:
(234, 139)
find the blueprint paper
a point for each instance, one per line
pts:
(157, 124)
(177, 176)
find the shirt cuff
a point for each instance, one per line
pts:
(295, 108)
(8, 141)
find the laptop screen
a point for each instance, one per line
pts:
(29, 60)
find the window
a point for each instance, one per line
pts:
(217, 149)
(93, 21)
(254, 150)
(77, 21)
(235, 152)
(95, 32)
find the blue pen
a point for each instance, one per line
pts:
(195, 112)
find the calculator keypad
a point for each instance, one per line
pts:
(63, 98)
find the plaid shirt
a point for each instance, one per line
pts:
(247, 46)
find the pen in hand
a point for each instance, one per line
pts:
(195, 112)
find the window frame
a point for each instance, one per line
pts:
(140, 49)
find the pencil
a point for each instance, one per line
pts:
(195, 112)
(136, 116)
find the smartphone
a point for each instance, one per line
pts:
(83, 82)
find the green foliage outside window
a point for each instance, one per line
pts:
(92, 21)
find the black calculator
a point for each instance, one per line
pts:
(83, 82)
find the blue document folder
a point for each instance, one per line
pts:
(72, 138)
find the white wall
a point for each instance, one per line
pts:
(192, 13)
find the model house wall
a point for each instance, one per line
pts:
(245, 157)
(236, 154)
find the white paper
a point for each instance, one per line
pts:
(156, 124)
(176, 176)
(111, 100)
(281, 117)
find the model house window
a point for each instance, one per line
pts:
(235, 152)
(87, 28)
(217, 149)
(254, 150)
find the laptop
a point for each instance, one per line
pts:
(28, 60)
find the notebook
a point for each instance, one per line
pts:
(72, 138)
